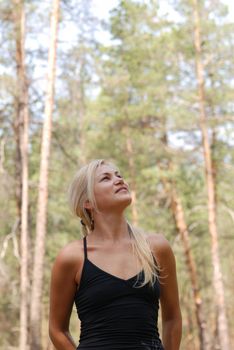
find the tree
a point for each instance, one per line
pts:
(39, 248)
(22, 118)
(209, 172)
(178, 213)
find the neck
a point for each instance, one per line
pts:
(112, 227)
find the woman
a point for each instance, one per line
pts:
(116, 275)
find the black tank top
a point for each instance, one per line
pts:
(114, 314)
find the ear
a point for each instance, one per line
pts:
(87, 204)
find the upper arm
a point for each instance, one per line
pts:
(169, 295)
(62, 291)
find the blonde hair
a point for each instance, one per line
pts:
(81, 190)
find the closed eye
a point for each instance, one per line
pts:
(107, 177)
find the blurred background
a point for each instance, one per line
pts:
(148, 85)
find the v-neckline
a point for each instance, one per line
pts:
(113, 276)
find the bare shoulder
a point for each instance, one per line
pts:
(158, 243)
(160, 247)
(70, 255)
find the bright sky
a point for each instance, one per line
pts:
(230, 4)
(102, 7)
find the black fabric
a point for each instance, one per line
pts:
(114, 314)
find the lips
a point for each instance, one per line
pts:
(122, 188)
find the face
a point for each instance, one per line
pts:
(110, 190)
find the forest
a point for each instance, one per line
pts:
(149, 87)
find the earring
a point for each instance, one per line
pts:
(92, 221)
(92, 224)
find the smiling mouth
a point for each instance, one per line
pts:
(122, 189)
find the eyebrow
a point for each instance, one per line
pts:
(107, 173)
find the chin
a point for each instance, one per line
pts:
(128, 201)
(123, 203)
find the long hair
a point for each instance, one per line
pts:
(80, 190)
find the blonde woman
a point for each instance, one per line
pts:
(116, 275)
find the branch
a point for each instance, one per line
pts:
(2, 156)
(11, 235)
(229, 211)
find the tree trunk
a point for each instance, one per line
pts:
(81, 111)
(39, 250)
(178, 214)
(179, 217)
(190, 342)
(217, 275)
(129, 152)
(214, 163)
(22, 122)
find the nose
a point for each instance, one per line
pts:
(119, 180)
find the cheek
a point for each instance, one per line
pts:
(102, 191)
(103, 199)
(102, 187)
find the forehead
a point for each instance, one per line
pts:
(106, 168)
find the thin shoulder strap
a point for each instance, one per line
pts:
(85, 247)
